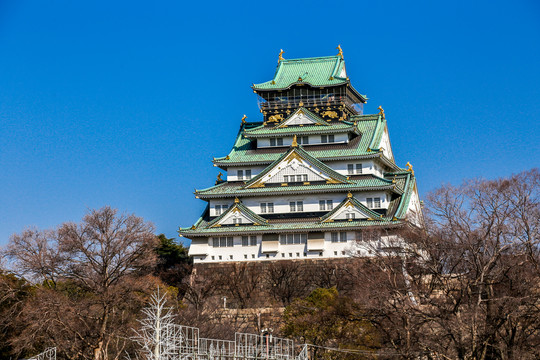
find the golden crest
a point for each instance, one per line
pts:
(330, 114)
(275, 118)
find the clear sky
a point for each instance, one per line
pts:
(124, 103)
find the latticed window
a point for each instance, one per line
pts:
(296, 206)
(222, 241)
(249, 240)
(326, 204)
(290, 239)
(338, 236)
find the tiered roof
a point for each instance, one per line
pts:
(365, 146)
(317, 71)
(366, 134)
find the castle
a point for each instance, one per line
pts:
(308, 180)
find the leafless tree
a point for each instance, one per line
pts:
(286, 280)
(91, 271)
(467, 286)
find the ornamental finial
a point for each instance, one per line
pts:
(381, 111)
(349, 195)
(294, 142)
(281, 55)
(219, 179)
(236, 200)
(244, 119)
(340, 53)
(409, 167)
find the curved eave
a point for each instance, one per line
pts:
(297, 130)
(302, 227)
(271, 191)
(224, 164)
(363, 98)
(256, 87)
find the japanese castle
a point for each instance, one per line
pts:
(310, 179)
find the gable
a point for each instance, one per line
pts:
(385, 146)
(302, 168)
(301, 117)
(234, 217)
(348, 209)
(238, 214)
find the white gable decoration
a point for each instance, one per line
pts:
(234, 217)
(300, 117)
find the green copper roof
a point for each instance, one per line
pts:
(304, 155)
(285, 227)
(243, 210)
(370, 127)
(228, 190)
(266, 132)
(356, 203)
(319, 71)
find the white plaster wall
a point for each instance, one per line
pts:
(232, 172)
(311, 202)
(293, 251)
(313, 140)
(385, 145)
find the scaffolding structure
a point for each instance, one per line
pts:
(48, 354)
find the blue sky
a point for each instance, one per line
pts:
(125, 103)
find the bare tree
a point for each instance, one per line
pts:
(468, 286)
(94, 269)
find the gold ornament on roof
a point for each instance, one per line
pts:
(236, 200)
(340, 53)
(294, 143)
(381, 111)
(219, 179)
(349, 195)
(281, 55)
(410, 168)
(244, 119)
(275, 118)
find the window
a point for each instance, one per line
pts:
(220, 209)
(248, 174)
(351, 169)
(338, 236)
(286, 178)
(230, 257)
(289, 239)
(237, 220)
(267, 208)
(374, 203)
(296, 206)
(276, 142)
(327, 138)
(249, 240)
(350, 216)
(245, 256)
(302, 140)
(326, 204)
(222, 241)
(240, 174)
